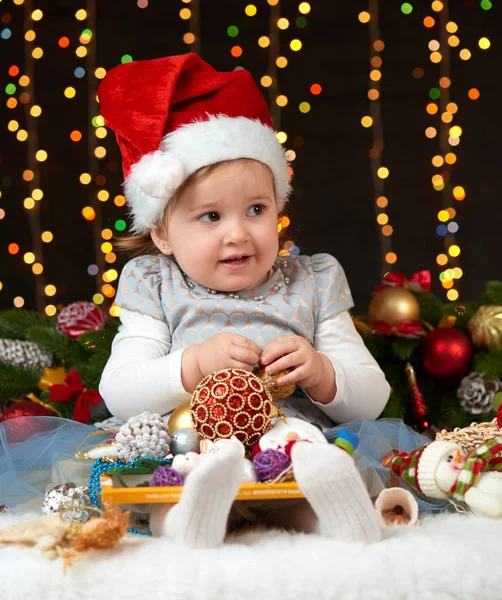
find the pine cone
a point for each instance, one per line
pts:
(476, 394)
(24, 354)
(144, 435)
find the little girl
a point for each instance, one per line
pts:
(205, 180)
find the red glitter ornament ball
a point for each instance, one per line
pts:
(79, 317)
(20, 425)
(232, 402)
(446, 353)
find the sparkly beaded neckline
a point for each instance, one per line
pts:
(275, 283)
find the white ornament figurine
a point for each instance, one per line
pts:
(443, 470)
(288, 430)
(185, 463)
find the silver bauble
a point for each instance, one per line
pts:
(65, 496)
(185, 440)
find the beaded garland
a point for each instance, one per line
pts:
(282, 264)
(232, 402)
(101, 466)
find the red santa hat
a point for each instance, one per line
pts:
(174, 115)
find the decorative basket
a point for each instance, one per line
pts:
(474, 435)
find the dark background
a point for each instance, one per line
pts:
(332, 209)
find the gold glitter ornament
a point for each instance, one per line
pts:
(276, 390)
(180, 419)
(485, 327)
(393, 305)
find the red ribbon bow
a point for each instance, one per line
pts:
(74, 388)
(419, 281)
(409, 329)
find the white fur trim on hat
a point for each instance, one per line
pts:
(428, 464)
(154, 179)
(151, 182)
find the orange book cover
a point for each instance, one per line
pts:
(113, 491)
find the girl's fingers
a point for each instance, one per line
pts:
(243, 342)
(244, 355)
(293, 376)
(279, 347)
(240, 365)
(285, 362)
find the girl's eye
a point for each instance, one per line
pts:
(255, 210)
(210, 217)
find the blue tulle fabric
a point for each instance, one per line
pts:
(377, 441)
(31, 466)
(38, 453)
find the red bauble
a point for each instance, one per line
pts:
(21, 425)
(79, 317)
(232, 402)
(446, 353)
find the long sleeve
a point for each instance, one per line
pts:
(141, 373)
(362, 390)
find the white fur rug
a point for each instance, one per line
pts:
(450, 556)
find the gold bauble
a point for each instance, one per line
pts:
(180, 419)
(393, 305)
(277, 391)
(486, 327)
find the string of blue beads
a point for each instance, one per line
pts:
(100, 466)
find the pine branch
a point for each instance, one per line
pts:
(453, 414)
(431, 307)
(489, 363)
(493, 293)
(98, 346)
(463, 312)
(394, 373)
(378, 345)
(91, 376)
(394, 409)
(17, 381)
(69, 351)
(403, 348)
(14, 324)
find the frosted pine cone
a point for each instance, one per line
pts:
(476, 394)
(144, 435)
(24, 354)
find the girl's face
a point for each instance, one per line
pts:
(223, 228)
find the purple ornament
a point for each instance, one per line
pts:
(270, 463)
(166, 476)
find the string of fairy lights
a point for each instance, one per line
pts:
(283, 44)
(191, 14)
(447, 131)
(270, 80)
(20, 92)
(22, 85)
(374, 121)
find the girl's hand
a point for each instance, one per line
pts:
(293, 352)
(310, 369)
(225, 351)
(221, 351)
